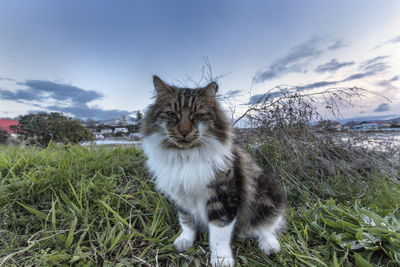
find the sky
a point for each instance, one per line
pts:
(95, 59)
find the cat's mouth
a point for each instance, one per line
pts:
(184, 143)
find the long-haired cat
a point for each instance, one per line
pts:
(214, 184)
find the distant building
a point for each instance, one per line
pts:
(106, 131)
(5, 125)
(382, 124)
(366, 127)
(121, 130)
(99, 137)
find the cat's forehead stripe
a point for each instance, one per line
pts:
(187, 99)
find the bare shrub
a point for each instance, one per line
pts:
(279, 130)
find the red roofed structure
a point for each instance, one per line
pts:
(5, 125)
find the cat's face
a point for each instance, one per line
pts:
(187, 117)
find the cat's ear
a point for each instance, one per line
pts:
(161, 87)
(209, 90)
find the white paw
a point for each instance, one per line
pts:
(222, 262)
(269, 245)
(181, 244)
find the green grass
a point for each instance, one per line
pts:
(70, 205)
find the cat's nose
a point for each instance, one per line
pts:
(184, 129)
(184, 132)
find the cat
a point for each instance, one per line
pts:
(214, 184)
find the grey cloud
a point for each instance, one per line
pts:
(371, 67)
(316, 85)
(324, 83)
(388, 83)
(357, 76)
(384, 83)
(70, 99)
(255, 99)
(391, 41)
(86, 112)
(329, 83)
(338, 44)
(261, 97)
(63, 92)
(372, 63)
(382, 107)
(395, 40)
(19, 95)
(332, 66)
(296, 59)
(7, 79)
(233, 93)
(41, 90)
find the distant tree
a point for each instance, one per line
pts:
(91, 123)
(3, 136)
(395, 125)
(43, 127)
(119, 134)
(132, 128)
(350, 123)
(139, 115)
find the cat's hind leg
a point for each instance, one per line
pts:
(267, 235)
(186, 239)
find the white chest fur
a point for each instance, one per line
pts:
(183, 175)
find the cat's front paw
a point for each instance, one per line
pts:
(222, 262)
(270, 245)
(181, 244)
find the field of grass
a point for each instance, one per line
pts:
(93, 206)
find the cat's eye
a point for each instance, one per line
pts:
(197, 116)
(171, 114)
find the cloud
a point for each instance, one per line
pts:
(63, 92)
(316, 85)
(338, 44)
(7, 79)
(329, 83)
(375, 64)
(391, 41)
(233, 93)
(297, 59)
(332, 66)
(70, 99)
(382, 107)
(20, 95)
(388, 83)
(357, 76)
(369, 67)
(86, 112)
(395, 40)
(255, 99)
(39, 90)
